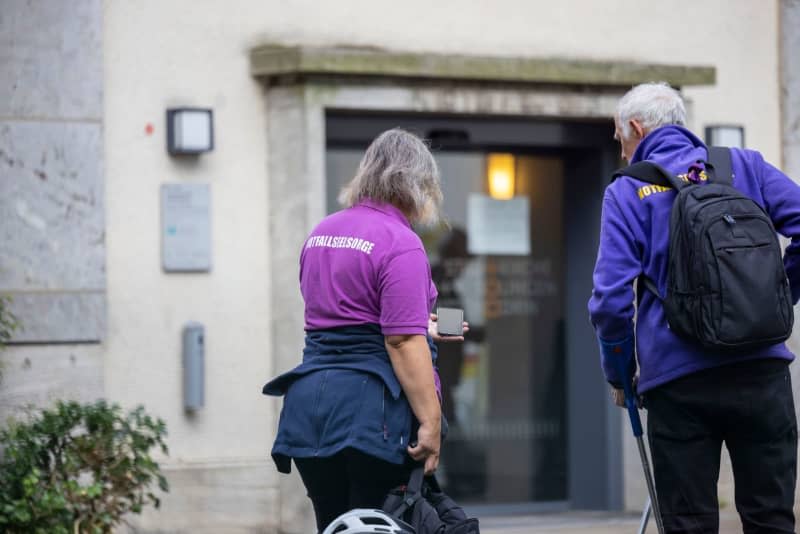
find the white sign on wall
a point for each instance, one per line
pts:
(500, 227)
(186, 227)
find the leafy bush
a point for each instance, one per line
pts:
(78, 468)
(8, 322)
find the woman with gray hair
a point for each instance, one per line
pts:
(365, 399)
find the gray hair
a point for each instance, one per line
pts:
(398, 169)
(653, 104)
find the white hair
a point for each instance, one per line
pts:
(398, 169)
(653, 104)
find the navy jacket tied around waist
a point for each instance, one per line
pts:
(343, 394)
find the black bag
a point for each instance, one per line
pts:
(424, 506)
(726, 284)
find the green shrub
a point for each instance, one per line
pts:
(8, 322)
(78, 468)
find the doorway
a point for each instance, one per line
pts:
(520, 269)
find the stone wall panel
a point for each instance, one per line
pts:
(52, 206)
(64, 36)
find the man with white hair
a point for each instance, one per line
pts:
(697, 398)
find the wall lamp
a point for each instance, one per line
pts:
(189, 131)
(725, 135)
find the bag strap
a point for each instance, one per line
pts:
(720, 170)
(652, 173)
(415, 481)
(719, 159)
(411, 495)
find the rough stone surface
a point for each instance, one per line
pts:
(51, 59)
(790, 85)
(53, 234)
(37, 375)
(230, 499)
(78, 317)
(51, 205)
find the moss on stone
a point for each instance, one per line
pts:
(273, 61)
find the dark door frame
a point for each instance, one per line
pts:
(595, 479)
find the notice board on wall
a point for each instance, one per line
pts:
(499, 227)
(186, 227)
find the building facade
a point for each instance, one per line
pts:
(297, 90)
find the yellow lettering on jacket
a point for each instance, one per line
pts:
(648, 190)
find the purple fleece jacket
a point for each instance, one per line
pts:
(634, 235)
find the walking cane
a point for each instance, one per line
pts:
(645, 517)
(636, 425)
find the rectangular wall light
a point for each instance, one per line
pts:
(190, 130)
(725, 135)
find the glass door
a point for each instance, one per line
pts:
(502, 261)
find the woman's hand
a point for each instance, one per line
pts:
(433, 331)
(429, 442)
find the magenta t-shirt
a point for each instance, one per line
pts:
(365, 265)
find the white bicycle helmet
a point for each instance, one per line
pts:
(365, 521)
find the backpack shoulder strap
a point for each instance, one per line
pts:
(650, 172)
(719, 157)
(413, 493)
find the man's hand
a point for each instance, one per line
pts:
(618, 396)
(433, 330)
(429, 439)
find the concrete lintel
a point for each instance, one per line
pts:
(273, 62)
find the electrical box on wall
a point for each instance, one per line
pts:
(193, 366)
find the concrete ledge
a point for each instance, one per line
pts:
(274, 62)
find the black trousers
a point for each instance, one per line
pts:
(750, 407)
(349, 479)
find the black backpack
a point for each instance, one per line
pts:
(424, 506)
(726, 284)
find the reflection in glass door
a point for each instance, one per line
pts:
(504, 388)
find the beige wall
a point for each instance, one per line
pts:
(187, 52)
(154, 59)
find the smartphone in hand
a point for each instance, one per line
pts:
(450, 321)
